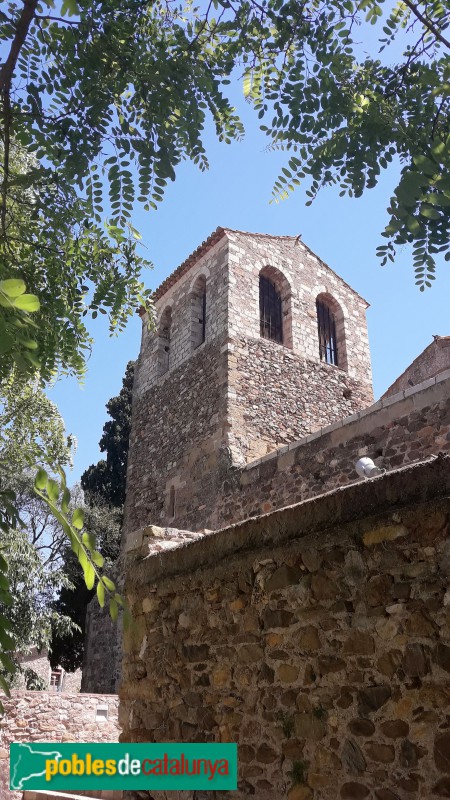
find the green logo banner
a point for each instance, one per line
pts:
(65, 766)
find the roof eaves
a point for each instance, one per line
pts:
(189, 262)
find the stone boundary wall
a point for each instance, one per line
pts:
(54, 717)
(105, 636)
(407, 427)
(317, 637)
(433, 360)
(276, 396)
(102, 659)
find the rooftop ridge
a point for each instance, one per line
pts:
(213, 239)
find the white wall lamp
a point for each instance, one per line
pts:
(367, 469)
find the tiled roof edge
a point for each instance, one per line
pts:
(189, 262)
(213, 239)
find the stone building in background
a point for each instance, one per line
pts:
(37, 674)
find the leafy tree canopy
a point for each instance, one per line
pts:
(347, 114)
(98, 88)
(31, 429)
(36, 572)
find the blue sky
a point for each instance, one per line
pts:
(235, 193)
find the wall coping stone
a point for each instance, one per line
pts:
(411, 485)
(65, 695)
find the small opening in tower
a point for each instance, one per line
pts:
(198, 312)
(172, 502)
(164, 335)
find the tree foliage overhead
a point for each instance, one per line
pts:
(101, 100)
(345, 114)
(89, 91)
(30, 426)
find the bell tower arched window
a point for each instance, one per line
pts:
(270, 312)
(326, 325)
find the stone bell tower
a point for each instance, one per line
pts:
(257, 343)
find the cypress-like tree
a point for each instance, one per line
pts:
(104, 491)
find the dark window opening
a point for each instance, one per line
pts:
(327, 334)
(203, 319)
(198, 313)
(271, 320)
(164, 342)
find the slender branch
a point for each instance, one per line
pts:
(59, 19)
(6, 75)
(6, 108)
(22, 27)
(427, 22)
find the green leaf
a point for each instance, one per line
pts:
(101, 594)
(4, 686)
(7, 662)
(6, 342)
(89, 575)
(113, 609)
(41, 479)
(53, 489)
(97, 558)
(13, 287)
(429, 212)
(65, 501)
(6, 641)
(78, 519)
(70, 7)
(426, 165)
(5, 623)
(27, 302)
(109, 583)
(413, 225)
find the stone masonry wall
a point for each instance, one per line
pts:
(401, 429)
(102, 661)
(176, 441)
(277, 396)
(53, 717)
(40, 664)
(316, 637)
(432, 361)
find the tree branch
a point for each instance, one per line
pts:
(6, 75)
(427, 22)
(22, 27)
